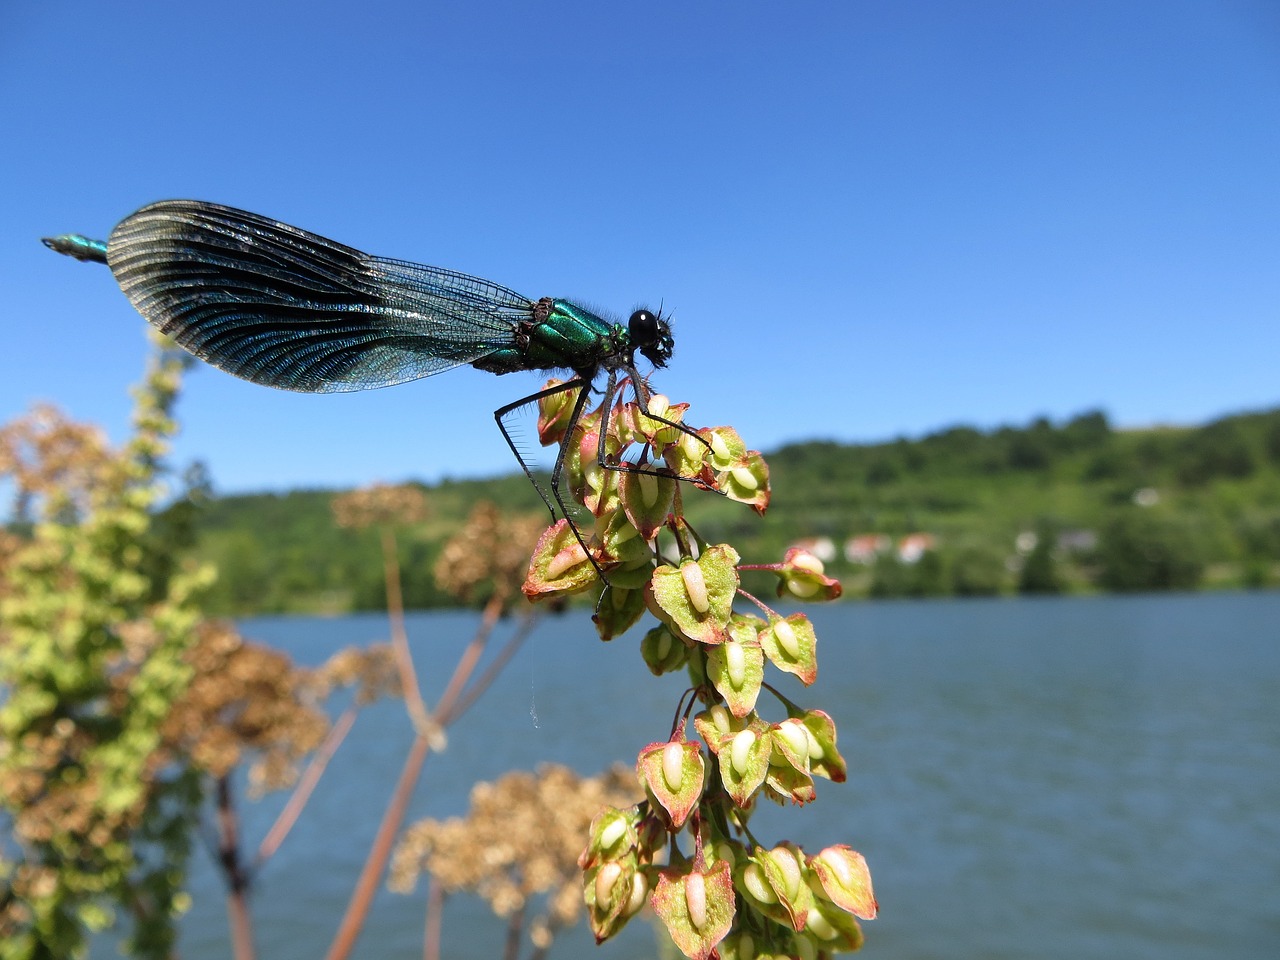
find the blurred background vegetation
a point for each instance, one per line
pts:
(125, 712)
(125, 709)
(1076, 506)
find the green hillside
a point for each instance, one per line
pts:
(1075, 506)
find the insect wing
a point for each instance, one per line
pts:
(287, 308)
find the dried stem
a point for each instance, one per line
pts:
(375, 864)
(445, 709)
(482, 682)
(435, 910)
(449, 709)
(306, 784)
(400, 637)
(515, 926)
(233, 871)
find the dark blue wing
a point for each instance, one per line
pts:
(287, 308)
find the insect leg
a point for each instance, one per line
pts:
(558, 470)
(500, 415)
(642, 400)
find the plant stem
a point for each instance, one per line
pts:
(376, 862)
(514, 927)
(306, 784)
(400, 637)
(233, 871)
(449, 708)
(431, 933)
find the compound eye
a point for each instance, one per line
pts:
(643, 327)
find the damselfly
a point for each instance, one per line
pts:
(290, 309)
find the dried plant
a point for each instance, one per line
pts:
(491, 550)
(91, 663)
(371, 670)
(380, 505)
(120, 706)
(53, 461)
(519, 841)
(244, 701)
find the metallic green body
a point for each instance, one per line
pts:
(82, 248)
(560, 336)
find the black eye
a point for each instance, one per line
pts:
(643, 328)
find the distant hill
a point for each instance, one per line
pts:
(1071, 506)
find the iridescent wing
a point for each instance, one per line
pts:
(286, 308)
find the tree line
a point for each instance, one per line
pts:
(1073, 506)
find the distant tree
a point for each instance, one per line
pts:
(956, 449)
(244, 578)
(1141, 550)
(1156, 449)
(1271, 437)
(282, 552)
(1040, 569)
(1108, 463)
(1032, 448)
(881, 470)
(1221, 449)
(927, 577)
(977, 570)
(889, 578)
(911, 455)
(1086, 431)
(1260, 541)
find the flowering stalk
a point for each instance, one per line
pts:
(91, 665)
(722, 893)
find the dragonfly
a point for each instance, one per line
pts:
(286, 308)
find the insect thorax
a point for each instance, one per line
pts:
(558, 335)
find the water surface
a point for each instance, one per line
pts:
(1059, 778)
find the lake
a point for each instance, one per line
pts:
(1058, 778)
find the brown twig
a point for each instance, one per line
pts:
(374, 865)
(445, 711)
(233, 871)
(306, 784)
(491, 672)
(380, 852)
(515, 927)
(400, 637)
(435, 918)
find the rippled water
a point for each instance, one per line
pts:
(1065, 778)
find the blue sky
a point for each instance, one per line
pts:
(869, 218)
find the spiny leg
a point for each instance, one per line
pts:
(500, 415)
(558, 470)
(602, 459)
(642, 401)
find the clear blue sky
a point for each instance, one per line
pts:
(869, 218)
